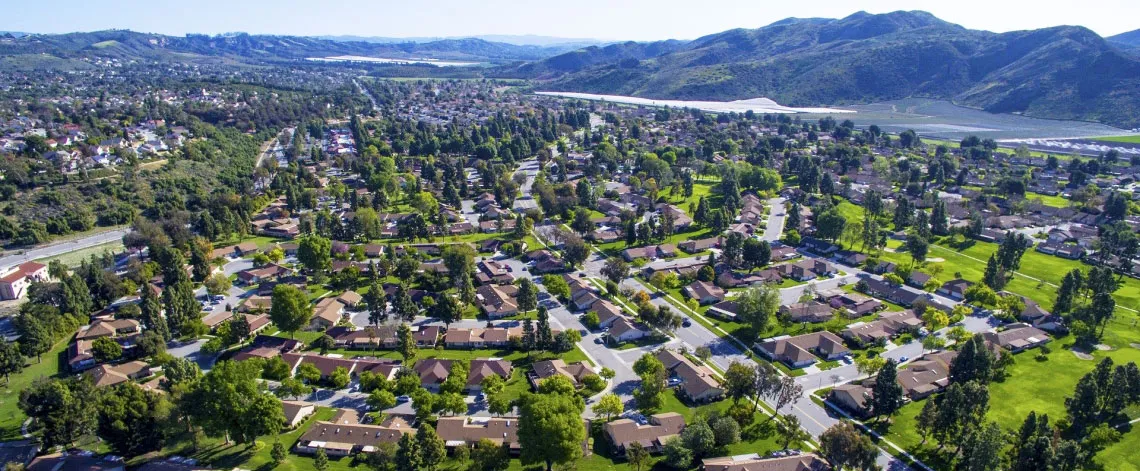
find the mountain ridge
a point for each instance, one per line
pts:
(1066, 72)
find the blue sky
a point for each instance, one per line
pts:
(603, 19)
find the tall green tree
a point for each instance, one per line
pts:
(290, 311)
(231, 402)
(887, 394)
(63, 408)
(432, 451)
(315, 252)
(152, 318)
(132, 420)
(405, 342)
(550, 429)
(527, 295)
(11, 360)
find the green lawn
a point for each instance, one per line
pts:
(699, 190)
(1132, 139)
(1031, 385)
(1048, 200)
(11, 417)
(261, 241)
(1122, 456)
(73, 259)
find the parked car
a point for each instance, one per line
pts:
(686, 322)
(402, 399)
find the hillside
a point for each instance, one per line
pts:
(1061, 72)
(253, 48)
(584, 58)
(1130, 39)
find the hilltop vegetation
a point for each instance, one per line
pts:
(865, 58)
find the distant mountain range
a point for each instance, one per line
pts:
(1061, 72)
(516, 39)
(133, 45)
(1064, 72)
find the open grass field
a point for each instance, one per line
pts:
(11, 417)
(73, 259)
(1133, 139)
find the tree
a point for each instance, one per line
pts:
(868, 365)
(887, 395)
(278, 453)
(181, 371)
(293, 387)
(983, 449)
(575, 250)
(975, 362)
(758, 306)
(699, 438)
(843, 446)
(377, 301)
(488, 456)
(432, 450)
(406, 343)
(739, 381)
(787, 393)
(218, 284)
(315, 252)
(321, 460)
(918, 247)
(105, 349)
(550, 429)
(229, 401)
(131, 420)
(64, 409)
(636, 455)
(405, 307)
(556, 286)
(446, 309)
(677, 455)
(615, 269)
(151, 313)
(757, 253)
(925, 420)
(150, 344)
(408, 454)
(830, 224)
(290, 311)
(609, 406)
(527, 295)
(789, 430)
(11, 361)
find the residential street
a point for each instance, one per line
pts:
(59, 248)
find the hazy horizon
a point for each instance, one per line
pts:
(601, 20)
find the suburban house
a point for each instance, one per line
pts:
(328, 313)
(697, 382)
(345, 435)
(806, 270)
(852, 397)
(490, 271)
(607, 312)
(15, 280)
(622, 330)
(467, 431)
(368, 337)
(927, 375)
(266, 347)
(498, 301)
(652, 435)
(426, 336)
(895, 294)
(699, 245)
(855, 304)
(547, 368)
(328, 365)
(1018, 337)
(725, 310)
(811, 312)
(753, 462)
(801, 350)
(433, 372)
(110, 375)
(955, 289)
(888, 325)
(296, 412)
(704, 292)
